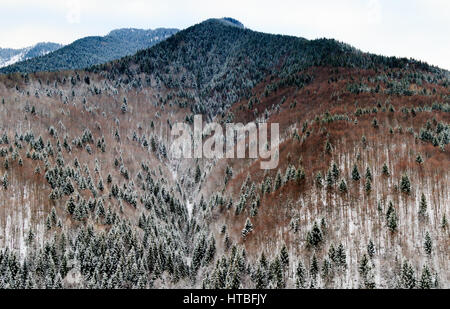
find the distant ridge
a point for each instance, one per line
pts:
(92, 50)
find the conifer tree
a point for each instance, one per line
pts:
(371, 249)
(198, 174)
(335, 171)
(355, 173)
(426, 280)
(5, 181)
(278, 181)
(368, 174)
(314, 268)
(405, 184)
(301, 276)
(385, 170)
(408, 277)
(284, 257)
(343, 186)
(423, 206)
(419, 159)
(248, 227)
(428, 244)
(368, 185)
(444, 222)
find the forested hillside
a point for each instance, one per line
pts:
(91, 196)
(93, 50)
(9, 56)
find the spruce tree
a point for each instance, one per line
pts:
(408, 277)
(368, 185)
(426, 280)
(314, 268)
(385, 170)
(423, 206)
(343, 186)
(371, 249)
(355, 173)
(301, 276)
(284, 257)
(419, 159)
(247, 228)
(428, 244)
(368, 174)
(405, 184)
(444, 222)
(335, 171)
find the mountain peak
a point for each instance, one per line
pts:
(232, 22)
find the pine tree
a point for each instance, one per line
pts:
(428, 244)
(278, 181)
(368, 185)
(278, 274)
(319, 179)
(284, 257)
(408, 277)
(198, 174)
(375, 123)
(70, 206)
(315, 236)
(329, 179)
(343, 186)
(423, 206)
(392, 222)
(368, 174)
(5, 181)
(53, 216)
(328, 147)
(371, 249)
(335, 171)
(247, 228)
(444, 222)
(405, 184)
(355, 173)
(419, 159)
(364, 271)
(301, 276)
(314, 268)
(385, 170)
(426, 281)
(341, 256)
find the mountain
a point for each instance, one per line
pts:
(215, 56)
(91, 195)
(93, 50)
(9, 56)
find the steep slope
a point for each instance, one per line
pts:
(89, 186)
(9, 56)
(217, 63)
(88, 51)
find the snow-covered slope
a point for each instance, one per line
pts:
(9, 56)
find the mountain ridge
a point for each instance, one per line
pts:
(93, 50)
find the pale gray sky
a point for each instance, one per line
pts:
(415, 28)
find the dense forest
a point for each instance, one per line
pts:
(92, 50)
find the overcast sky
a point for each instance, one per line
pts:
(417, 28)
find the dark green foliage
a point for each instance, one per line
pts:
(315, 236)
(93, 50)
(408, 277)
(423, 206)
(405, 184)
(428, 244)
(355, 173)
(426, 281)
(343, 186)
